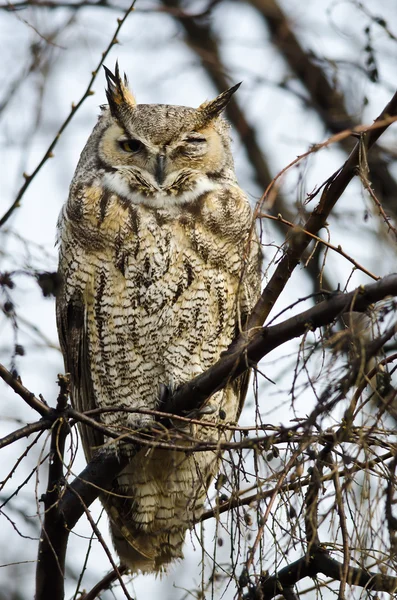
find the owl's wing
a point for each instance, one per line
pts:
(240, 386)
(250, 289)
(72, 328)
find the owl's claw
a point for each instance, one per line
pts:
(164, 394)
(207, 409)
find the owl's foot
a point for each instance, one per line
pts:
(164, 395)
(207, 409)
(137, 423)
(130, 432)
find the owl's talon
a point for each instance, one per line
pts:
(164, 394)
(207, 409)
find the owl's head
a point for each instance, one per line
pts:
(162, 155)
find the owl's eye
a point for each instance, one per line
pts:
(130, 145)
(195, 139)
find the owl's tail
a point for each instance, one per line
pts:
(146, 552)
(161, 494)
(156, 500)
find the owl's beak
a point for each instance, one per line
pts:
(160, 169)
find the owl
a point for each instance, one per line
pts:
(160, 266)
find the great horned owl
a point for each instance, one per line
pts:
(160, 265)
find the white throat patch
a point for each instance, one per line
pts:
(116, 183)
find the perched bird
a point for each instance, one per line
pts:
(160, 265)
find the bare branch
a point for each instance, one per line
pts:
(96, 478)
(25, 432)
(248, 353)
(50, 570)
(320, 561)
(39, 405)
(104, 584)
(297, 244)
(390, 501)
(326, 100)
(299, 484)
(75, 107)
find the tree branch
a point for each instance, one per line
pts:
(320, 561)
(75, 107)
(39, 405)
(54, 535)
(326, 100)
(105, 465)
(96, 478)
(298, 242)
(245, 354)
(25, 432)
(104, 584)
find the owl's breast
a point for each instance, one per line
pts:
(160, 287)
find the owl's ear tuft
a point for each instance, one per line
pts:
(118, 94)
(211, 109)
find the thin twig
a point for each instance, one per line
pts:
(291, 486)
(79, 593)
(102, 541)
(323, 96)
(16, 465)
(75, 107)
(298, 229)
(25, 432)
(367, 184)
(104, 584)
(43, 409)
(343, 527)
(297, 243)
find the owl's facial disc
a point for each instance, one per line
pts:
(177, 170)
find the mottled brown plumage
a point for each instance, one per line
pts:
(160, 265)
